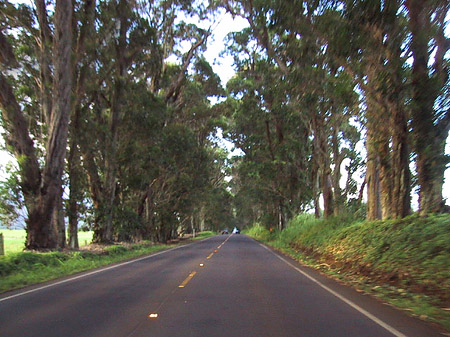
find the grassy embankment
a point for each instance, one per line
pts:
(404, 262)
(21, 269)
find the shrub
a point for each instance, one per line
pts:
(259, 232)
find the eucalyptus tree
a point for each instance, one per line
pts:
(264, 125)
(41, 186)
(84, 42)
(390, 36)
(290, 34)
(427, 23)
(130, 47)
(374, 54)
(165, 159)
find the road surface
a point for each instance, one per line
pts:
(227, 285)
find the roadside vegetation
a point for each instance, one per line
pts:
(405, 262)
(21, 269)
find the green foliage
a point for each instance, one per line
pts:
(116, 250)
(27, 261)
(259, 232)
(272, 177)
(204, 235)
(209, 81)
(11, 199)
(127, 224)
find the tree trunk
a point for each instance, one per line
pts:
(202, 216)
(385, 172)
(59, 216)
(44, 222)
(429, 142)
(43, 193)
(339, 199)
(322, 153)
(45, 46)
(315, 182)
(19, 140)
(401, 194)
(328, 200)
(372, 180)
(401, 176)
(80, 71)
(114, 120)
(378, 141)
(74, 193)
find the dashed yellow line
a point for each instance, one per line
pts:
(210, 256)
(186, 281)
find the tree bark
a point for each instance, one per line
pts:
(316, 185)
(339, 199)
(429, 143)
(401, 176)
(74, 161)
(44, 50)
(19, 140)
(74, 194)
(322, 153)
(105, 234)
(379, 175)
(372, 179)
(380, 136)
(44, 220)
(385, 172)
(401, 184)
(174, 90)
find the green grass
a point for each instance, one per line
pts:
(21, 269)
(204, 235)
(14, 239)
(405, 262)
(85, 238)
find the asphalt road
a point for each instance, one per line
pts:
(242, 289)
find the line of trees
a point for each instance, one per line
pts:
(104, 129)
(107, 132)
(315, 79)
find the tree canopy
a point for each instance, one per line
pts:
(107, 108)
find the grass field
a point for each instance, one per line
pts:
(14, 239)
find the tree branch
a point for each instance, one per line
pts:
(174, 89)
(18, 139)
(7, 58)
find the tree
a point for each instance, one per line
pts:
(429, 107)
(42, 189)
(84, 44)
(298, 46)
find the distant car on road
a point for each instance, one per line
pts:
(236, 230)
(225, 231)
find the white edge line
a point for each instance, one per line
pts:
(386, 326)
(96, 272)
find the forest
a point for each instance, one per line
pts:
(112, 114)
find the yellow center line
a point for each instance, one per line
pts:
(210, 256)
(228, 238)
(186, 281)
